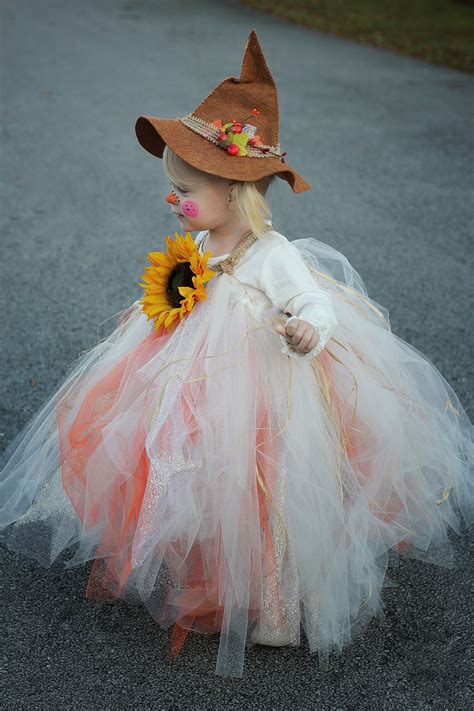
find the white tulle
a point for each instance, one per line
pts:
(344, 456)
(282, 278)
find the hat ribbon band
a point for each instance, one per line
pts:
(212, 132)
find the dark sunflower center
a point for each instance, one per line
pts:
(180, 275)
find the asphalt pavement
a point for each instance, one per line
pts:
(387, 143)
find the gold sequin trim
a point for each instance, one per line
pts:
(228, 264)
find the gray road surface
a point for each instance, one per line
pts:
(385, 140)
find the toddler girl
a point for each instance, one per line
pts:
(251, 442)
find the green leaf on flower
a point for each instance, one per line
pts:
(241, 139)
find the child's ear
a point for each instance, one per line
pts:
(231, 191)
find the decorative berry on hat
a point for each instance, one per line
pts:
(235, 136)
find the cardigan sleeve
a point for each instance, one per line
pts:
(289, 284)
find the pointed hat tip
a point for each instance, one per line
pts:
(254, 65)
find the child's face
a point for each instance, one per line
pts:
(205, 207)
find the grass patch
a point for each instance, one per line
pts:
(438, 31)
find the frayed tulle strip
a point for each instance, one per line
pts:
(238, 491)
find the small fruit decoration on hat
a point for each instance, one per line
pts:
(175, 281)
(235, 136)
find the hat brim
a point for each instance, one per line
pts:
(154, 132)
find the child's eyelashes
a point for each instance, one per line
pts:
(181, 190)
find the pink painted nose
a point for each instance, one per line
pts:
(189, 208)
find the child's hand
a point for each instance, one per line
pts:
(300, 334)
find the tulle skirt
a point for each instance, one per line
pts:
(237, 491)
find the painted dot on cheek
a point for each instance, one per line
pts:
(190, 208)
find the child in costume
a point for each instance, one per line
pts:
(251, 442)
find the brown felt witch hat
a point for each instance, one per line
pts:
(234, 130)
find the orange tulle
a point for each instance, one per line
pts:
(197, 606)
(119, 511)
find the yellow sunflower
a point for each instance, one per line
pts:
(174, 281)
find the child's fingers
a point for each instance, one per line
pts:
(303, 345)
(309, 339)
(301, 335)
(281, 330)
(298, 332)
(309, 343)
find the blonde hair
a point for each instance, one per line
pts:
(249, 195)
